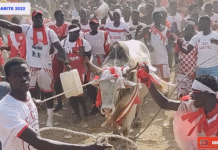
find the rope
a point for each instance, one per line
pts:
(48, 99)
(100, 139)
(136, 137)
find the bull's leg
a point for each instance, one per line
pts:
(138, 120)
(116, 129)
(142, 94)
(127, 124)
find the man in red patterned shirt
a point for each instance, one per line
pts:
(187, 62)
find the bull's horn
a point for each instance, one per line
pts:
(131, 69)
(94, 69)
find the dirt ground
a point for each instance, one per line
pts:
(158, 136)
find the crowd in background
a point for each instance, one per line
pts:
(60, 35)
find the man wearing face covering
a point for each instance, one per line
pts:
(117, 30)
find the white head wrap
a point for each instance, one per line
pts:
(199, 86)
(118, 11)
(74, 29)
(67, 47)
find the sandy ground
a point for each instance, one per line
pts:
(158, 136)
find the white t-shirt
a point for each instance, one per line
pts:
(132, 29)
(16, 116)
(98, 42)
(38, 55)
(205, 49)
(68, 46)
(178, 18)
(117, 33)
(159, 55)
(214, 19)
(75, 14)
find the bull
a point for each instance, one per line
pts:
(117, 96)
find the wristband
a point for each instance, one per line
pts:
(144, 76)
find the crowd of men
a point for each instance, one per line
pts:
(58, 38)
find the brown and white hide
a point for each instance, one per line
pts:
(114, 98)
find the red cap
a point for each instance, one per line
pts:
(35, 12)
(94, 20)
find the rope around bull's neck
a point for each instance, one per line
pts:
(100, 139)
(138, 135)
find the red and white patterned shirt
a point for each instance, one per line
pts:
(189, 61)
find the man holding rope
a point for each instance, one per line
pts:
(19, 116)
(196, 114)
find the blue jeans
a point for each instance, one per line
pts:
(212, 71)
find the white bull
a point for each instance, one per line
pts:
(115, 97)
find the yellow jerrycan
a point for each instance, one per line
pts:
(71, 80)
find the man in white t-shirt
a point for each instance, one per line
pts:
(84, 20)
(135, 25)
(213, 16)
(38, 44)
(175, 18)
(158, 6)
(206, 42)
(117, 30)
(100, 42)
(19, 116)
(75, 12)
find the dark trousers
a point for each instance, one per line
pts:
(92, 92)
(75, 101)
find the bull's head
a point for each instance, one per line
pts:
(112, 80)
